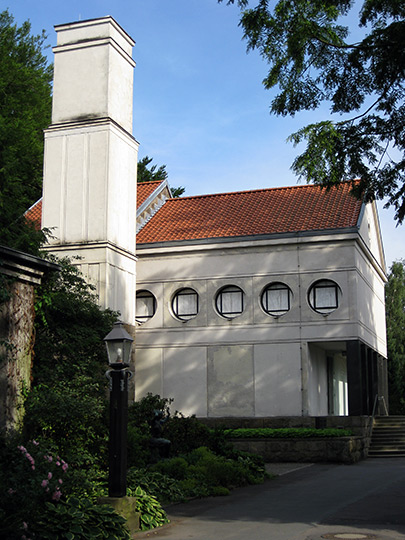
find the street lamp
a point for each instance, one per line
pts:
(119, 344)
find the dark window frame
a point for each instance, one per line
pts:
(175, 304)
(218, 301)
(264, 300)
(318, 286)
(144, 293)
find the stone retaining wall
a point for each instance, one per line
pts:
(341, 449)
(338, 449)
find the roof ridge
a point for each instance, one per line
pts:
(150, 182)
(258, 190)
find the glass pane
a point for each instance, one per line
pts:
(277, 299)
(144, 306)
(325, 297)
(187, 304)
(231, 302)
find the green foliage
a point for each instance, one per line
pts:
(312, 61)
(175, 467)
(154, 174)
(185, 434)
(71, 415)
(395, 313)
(151, 513)
(285, 433)
(67, 405)
(142, 412)
(138, 446)
(25, 111)
(164, 488)
(30, 476)
(76, 519)
(201, 472)
(70, 328)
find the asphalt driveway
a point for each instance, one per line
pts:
(324, 501)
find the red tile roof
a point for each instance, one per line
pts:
(243, 213)
(144, 190)
(258, 212)
(34, 214)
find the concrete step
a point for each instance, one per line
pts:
(388, 437)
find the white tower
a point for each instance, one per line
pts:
(89, 194)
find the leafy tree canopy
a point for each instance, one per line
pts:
(395, 311)
(25, 111)
(147, 173)
(312, 60)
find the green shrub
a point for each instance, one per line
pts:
(151, 513)
(175, 467)
(163, 487)
(78, 520)
(142, 412)
(71, 416)
(138, 446)
(185, 434)
(216, 470)
(35, 485)
(219, 491)
(290, 433)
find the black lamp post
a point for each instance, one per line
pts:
(119, 344)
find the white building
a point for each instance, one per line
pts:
(249, 304)
(262, 303)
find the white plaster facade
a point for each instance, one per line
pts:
(89, 195)
(256, 364)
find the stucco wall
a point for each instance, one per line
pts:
(255, 364)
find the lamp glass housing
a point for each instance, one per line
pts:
(119, 344)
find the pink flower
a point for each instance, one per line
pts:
(60, 481)
(56, 495)
(35, 443)
(44, 483)
(49, 475)
(33, 467)
(25, 525)
(64, 467)
(58, 463)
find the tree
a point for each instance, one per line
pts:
(25, 111)
(395, 310)
(154, 174)
(312, 61)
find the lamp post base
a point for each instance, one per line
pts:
(125, 507)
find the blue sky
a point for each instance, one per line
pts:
(199, 105)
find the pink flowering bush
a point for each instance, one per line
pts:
(33, 477)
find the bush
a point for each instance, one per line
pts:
(185, 434)
(71, 415)
(142, 413)
(78, 520)
(175, 467)
(163, 487)
(201, 472)
(151, 513)
(138, 446)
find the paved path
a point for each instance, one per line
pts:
(325, 501)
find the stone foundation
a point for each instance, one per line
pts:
(332, 449)
(339, 449)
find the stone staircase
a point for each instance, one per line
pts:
(388, 437)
